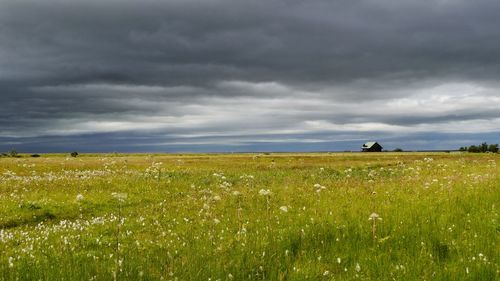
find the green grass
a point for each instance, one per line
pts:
(209, 217)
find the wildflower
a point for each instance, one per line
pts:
(216, 221)
(119, 196)
(79, 197)
(358, 268)
(216, 198)
(284, 209)
(264, 192)
(339, 260)
(374, 217)
(225, 185)
(11, 262)
(319, 187)
(326, 273)
(236, 193)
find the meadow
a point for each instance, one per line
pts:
(318, 216)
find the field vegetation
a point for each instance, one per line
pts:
(340, 216)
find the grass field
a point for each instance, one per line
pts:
(352, 216)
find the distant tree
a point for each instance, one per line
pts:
(483, 147)
(35, 155)
(493, 148)
(463, 148)
(74, 154)
(398, 150)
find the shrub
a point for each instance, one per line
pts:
(474, 149)
(74, 154)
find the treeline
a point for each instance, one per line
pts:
(484, 147)
(11, 153)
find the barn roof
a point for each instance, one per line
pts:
(369, 144)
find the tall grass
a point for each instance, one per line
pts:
(250, 217)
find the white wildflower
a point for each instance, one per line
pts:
(264, 192)
(358, 268)
(79, 197)
(319, 187)
(374, 216)
(284, 209)
(119, 196)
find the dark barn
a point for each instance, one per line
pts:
(371, 146)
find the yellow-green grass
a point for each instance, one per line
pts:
(434, 216)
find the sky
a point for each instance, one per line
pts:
(239, 75)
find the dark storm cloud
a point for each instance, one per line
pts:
(187, 42)
(251, 68)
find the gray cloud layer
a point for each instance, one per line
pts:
(247, 72)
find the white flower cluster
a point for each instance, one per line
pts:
(154, 171)
(264, 192)
(319, 187)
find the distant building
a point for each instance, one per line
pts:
(371, 146)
